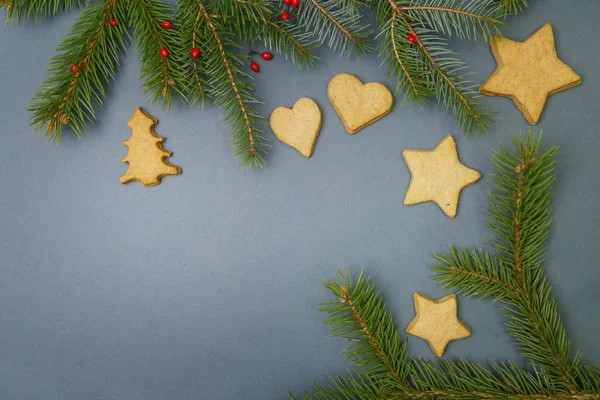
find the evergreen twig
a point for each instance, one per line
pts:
(514, 275)
(92, 49)
(25, 9)
(422, 70)
(158, 72)
(428, 68)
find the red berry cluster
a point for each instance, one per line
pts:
(265, 55)
(286, 15)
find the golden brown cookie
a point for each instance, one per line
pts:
(437, 322)
(146, 156)
(528, 72)
(298, 127)
(437, 175)
(358, 104)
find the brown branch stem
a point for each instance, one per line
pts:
(194, 62)
(397, 10)
(397, 55)
(285, 32)
(483, 277)
(336, 22)
(347, 298)
(449, 10)
(80, 68)
(537, 320)
(165, 80)
(445, 77)
(428, 394)
(232, 80)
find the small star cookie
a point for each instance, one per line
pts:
(438, 176)
(437, 322)
(528, 72)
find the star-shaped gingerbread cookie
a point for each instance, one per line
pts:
(437, 322)
(438, 176)
(528, 72)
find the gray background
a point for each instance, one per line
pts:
(206, 287)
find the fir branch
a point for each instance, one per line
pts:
(25, 9)
(520, 219)
(229, 91)
(509, 7)
(241, 10)
(92, 49)
(403, 60)
(339, 27)
(158, 71)
(429, 69)
(475, 273)
(288, 40)
(467, 19)
(451, 88)
(190, 73)
(357, 386)
(360, 316)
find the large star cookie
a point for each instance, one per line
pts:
(528, 72)
(438, 176)
(437, 322)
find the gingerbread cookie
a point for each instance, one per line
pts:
(437, 175)
(437, 322)
(298, 127)
(528, 72)
(358, 104)
(146, 156)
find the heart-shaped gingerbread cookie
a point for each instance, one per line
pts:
(299, 126)
(358, 104)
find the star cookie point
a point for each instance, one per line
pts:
(437, 322)
(529, 72)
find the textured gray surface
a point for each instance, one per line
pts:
(206, 287)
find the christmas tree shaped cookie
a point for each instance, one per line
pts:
(146, 156)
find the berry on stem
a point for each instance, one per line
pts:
(113, 21)
(411, 38)
(287, 2)
(164, 52)
(166, 24)
(255, 67)
(195, 52)
(295, 3)
(266, 55)
(74, 68)
(285, 15)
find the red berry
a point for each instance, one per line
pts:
(411, 38)
(295, 3)
(266, 55)
(74, 68)
(113, 21)
(285, 15)
(164, 52)
(166, 24)
(255, 67)
(287, 2)
(195, 52)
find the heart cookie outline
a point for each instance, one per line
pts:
(359, 104)
(299, 126)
